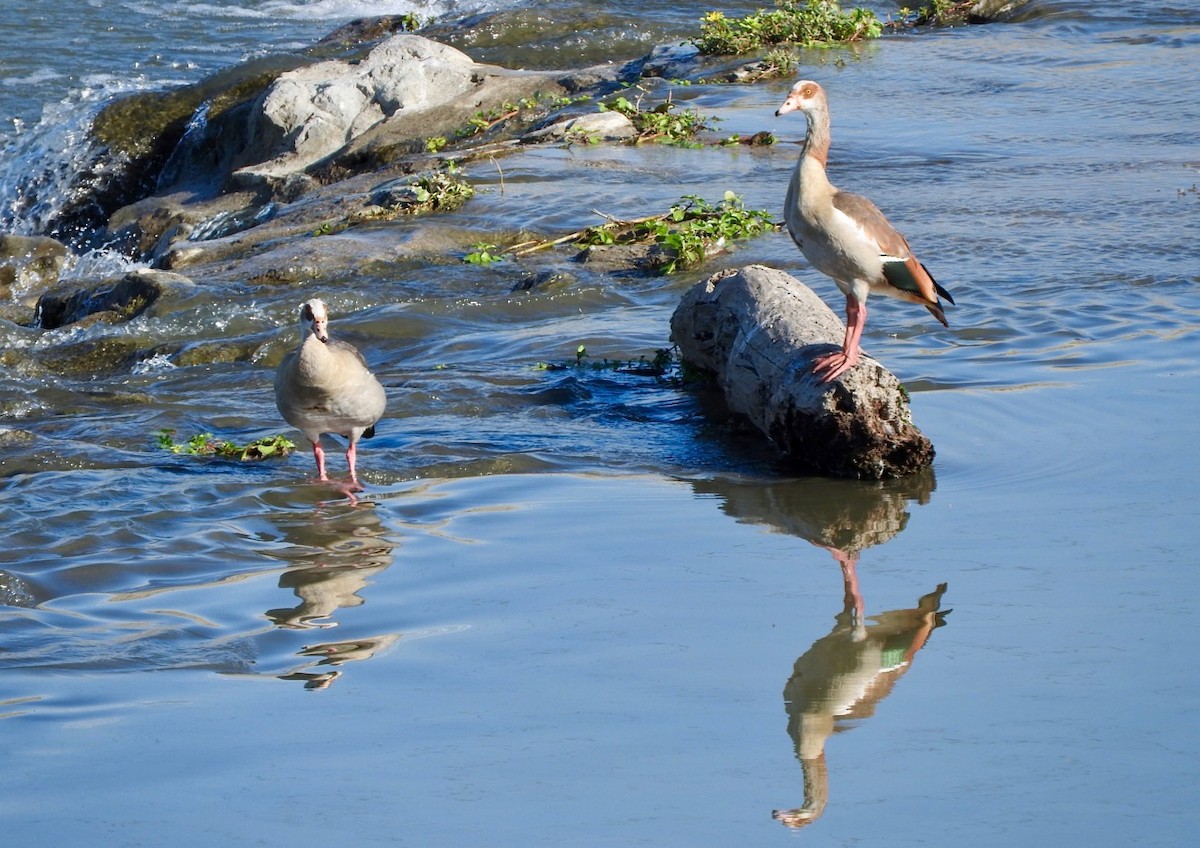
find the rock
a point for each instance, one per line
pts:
(29, 265)
(758, 330)
(91, 357)
(113, 300)
(671, 61)
(149, 229)
(609, 126)
(311, 113)
(165, 141)
(367, 30)
(987, 11)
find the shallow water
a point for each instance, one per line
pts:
(569, 603)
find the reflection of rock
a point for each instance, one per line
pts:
(849, 516)
(843, 677)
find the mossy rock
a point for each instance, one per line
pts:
(212, 353)
(112, 301)
(92, 357)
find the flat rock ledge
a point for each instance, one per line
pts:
(758, 330)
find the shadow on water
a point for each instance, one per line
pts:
(848, 672)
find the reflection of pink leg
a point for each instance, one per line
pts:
(852, 598)
(319, 455)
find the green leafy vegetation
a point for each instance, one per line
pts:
(485, 253)
(664, 363)
(441, 190)
(206, 444)
(684, 236)
(527, 107)
(811, 23)
(662, 123)
(689, 233)
(939, 13)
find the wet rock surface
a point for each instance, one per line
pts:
(758, 331)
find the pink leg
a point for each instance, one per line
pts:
(833, 365)
(319, 455)
(351, 455)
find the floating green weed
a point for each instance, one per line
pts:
(442, 190)
(939, 13)
(664, 363)
(526, 107)
(661, 123)
(815, 22)
(690, 232)
(484, 253)
(206, 444)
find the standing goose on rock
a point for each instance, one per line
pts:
(324, 387)
(846, 237)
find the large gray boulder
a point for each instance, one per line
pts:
(758, 331)
(310, 113)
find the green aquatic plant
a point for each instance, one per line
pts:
(526, 107)
(811, 23)
(485, 253)
(685, 235)
(942, 13)
(665, 363)
(661, 123)
(442, 190)
(690, 232)
(206, 444)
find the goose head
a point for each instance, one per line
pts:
(314, 318)
(806, 96)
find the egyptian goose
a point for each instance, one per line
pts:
(324, 386)
(846, 237)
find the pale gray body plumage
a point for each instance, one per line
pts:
(324, 386)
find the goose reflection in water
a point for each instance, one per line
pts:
(337, 557)
(334, 654)
(845, 674)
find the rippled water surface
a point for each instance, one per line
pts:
(572, 606)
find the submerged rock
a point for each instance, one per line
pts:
(758, 330)
(988, 11)
(29, 265)
(111, 301)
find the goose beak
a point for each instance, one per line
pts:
(321, 330)
(789, 105)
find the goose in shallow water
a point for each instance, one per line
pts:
(324, 386)
(846, 237)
